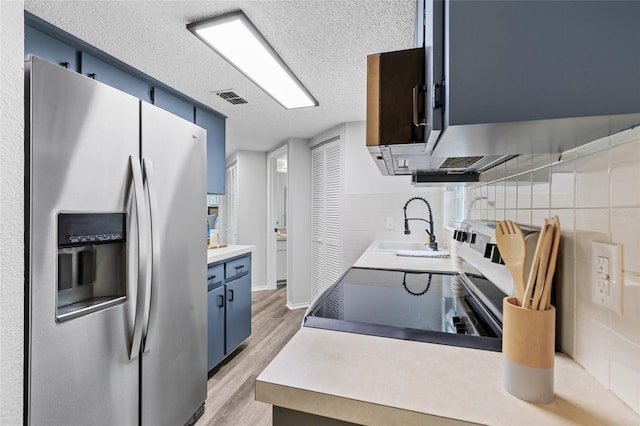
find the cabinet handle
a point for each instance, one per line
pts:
(231, 292)
(239, 267)
(220, 301)
(92, 75)
(418, 122)
(211, 277)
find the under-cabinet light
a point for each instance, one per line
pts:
(237, 40)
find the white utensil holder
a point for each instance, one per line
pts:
(528, 348)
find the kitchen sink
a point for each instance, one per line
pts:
(400, 245)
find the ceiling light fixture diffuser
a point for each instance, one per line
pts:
(237, 40)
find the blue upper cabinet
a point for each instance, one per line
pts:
(49, 48)
(173, 104)
(52, 44)
(215, 126)
(114, 77)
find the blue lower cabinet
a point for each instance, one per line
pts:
(238, 311)
(229, 307)
(215, 324)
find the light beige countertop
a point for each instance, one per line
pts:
(387, 259)
(224, 253)
(380, 381)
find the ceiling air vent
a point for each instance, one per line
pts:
(231, 97)
(459, 162)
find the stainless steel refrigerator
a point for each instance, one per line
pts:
(116, 275)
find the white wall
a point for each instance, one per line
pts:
(252, 211)
(299, 223)
(595, 191)
(370, 197)
(11, 211)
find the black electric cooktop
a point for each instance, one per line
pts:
(435, 307)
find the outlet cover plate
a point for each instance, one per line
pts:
(606, 275)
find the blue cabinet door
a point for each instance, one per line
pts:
(215, 126)
(215, 326)
(46, 47)
(114, 77)
(238, 299)
(173, 104)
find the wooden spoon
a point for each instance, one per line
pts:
(512, 248)
(545, 300)
(542, 266)
(526, 300)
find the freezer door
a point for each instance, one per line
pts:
(79, 137)
(174, 361)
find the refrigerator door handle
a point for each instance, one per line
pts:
(143, 256)
(151, 307)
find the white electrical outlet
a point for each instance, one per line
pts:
(606, 275)
(389, 222)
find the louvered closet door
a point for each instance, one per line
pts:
(231, 210)
(326, 241)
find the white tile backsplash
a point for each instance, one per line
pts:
(593, 341)
(595, 191)
(591, 225)
(562, 190)
(625, 371)
(625, 230)
(627, 324)
(625, 175)
(592, 180)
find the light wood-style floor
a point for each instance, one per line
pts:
(231, 386)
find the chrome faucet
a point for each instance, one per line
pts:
(433, 245)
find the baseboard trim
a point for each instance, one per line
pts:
(293, 306)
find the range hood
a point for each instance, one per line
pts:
(500, 79)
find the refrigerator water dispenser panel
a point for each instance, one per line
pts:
(91, 263)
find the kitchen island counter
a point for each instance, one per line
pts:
(380, 381)
(224, 253)
(374, 380)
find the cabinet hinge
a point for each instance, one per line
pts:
(436, 96)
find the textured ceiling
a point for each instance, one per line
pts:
(324, 42)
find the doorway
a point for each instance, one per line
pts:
(278, 207)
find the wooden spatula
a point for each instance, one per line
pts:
(513, 251)
(542, 266)
(526, 300)
(545, 299)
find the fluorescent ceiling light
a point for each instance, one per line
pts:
(235, 38)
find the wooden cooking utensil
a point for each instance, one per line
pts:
(526, 300)
(542, 266)
(512, 248)
(545, 299)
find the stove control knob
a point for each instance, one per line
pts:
(495, 255)
(462, 236)
(455, 235)
(473, 238)
(460, 325)
(488, 250)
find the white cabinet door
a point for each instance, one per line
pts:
(326, 226)
(231, 205)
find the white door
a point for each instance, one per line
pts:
(326, 203)
(231, 205)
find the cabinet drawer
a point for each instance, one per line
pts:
(237, 267)
(215, 275)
